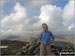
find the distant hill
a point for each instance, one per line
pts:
(28, 38)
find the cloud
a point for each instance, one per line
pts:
(15, 19)
(68, 14)
(52, 15)
(59, 20)
(35, 3)
(71, 27)
(18, 22)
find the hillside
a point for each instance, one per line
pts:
(16, 47)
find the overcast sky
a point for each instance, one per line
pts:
(26, 16)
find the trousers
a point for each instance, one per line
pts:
(45, 49)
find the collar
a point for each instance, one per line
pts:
(46, 31)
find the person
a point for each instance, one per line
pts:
(46, 38)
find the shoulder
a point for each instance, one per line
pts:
(41, 32)
(50, 32)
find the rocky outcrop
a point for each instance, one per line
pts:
(31, 48)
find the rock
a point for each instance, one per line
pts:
(32, 48)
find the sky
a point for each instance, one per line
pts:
(26, 16)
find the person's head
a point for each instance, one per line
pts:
(44, 26)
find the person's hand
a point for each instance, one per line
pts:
(41, 43)
(49, 42)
